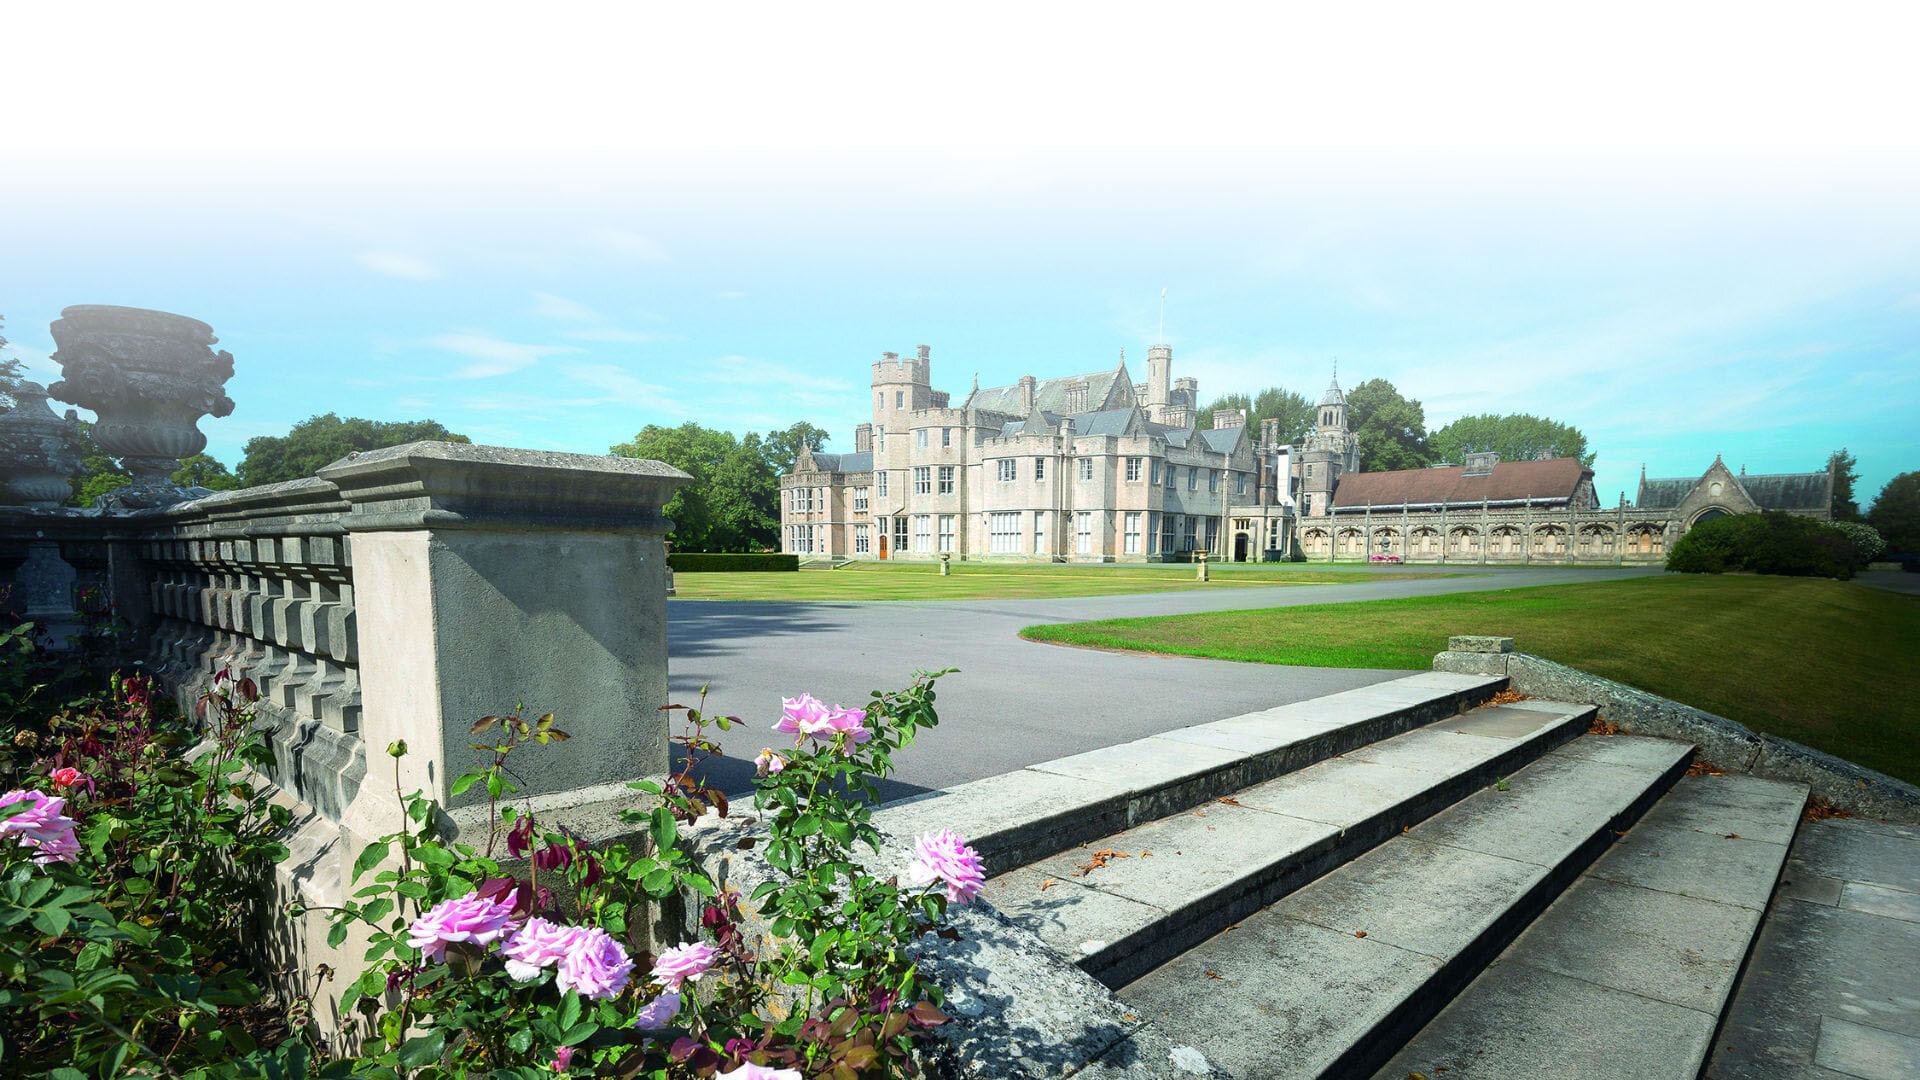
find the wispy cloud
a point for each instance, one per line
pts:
(631, 244)
(620, 386)
(746, 369)
(616, 334)
(548, 306)
(396, 264)
(494, 356)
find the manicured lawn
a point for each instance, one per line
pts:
(1826, 663)
(922, 581)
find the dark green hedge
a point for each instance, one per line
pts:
(1767, 543)
(701, 562)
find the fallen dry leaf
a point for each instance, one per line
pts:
(1359, 933)
(1048, 884)
(1100, 859)
(1212, 974)
(1229, 800)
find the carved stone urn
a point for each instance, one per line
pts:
(39, 451)
(149, 376)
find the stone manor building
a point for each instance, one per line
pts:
(1098, 468)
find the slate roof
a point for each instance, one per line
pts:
(1050, 395)
(843, 463)
(1556, 479)
(1791, 491)
(1772, 491)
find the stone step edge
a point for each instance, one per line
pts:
(1061, 811)
(1726, 1001)
(1365, 1055)
(1123, 960)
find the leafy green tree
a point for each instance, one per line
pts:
(1391, 429)
(781, 448)
(203, 470)
(98, 474)
(1846, 473)
(1515, 437)
(1895, 513)
(1294, 412)
(322, 440)
(732, 503)
(9, 371)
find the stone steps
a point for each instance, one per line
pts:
(1330, 980)
(1176, 881)
(1629, 972)
(1030, 814)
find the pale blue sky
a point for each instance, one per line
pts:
(1667, 272)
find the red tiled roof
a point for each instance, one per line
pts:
(1554, 479)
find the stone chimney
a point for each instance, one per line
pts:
(1077, 396)
(862, 438)
(925, 353)
(1028, 384)
(1225, 417)
(1270, 431)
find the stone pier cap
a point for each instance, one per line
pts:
(443, 485)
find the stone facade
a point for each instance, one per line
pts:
(1098, 468)
(1088, 468)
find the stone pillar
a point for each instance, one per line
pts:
(486, 577)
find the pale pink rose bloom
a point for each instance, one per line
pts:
(943, 856)
(684, 964)
(562, 1058)
(849, 722)
(470, 918)
(749, 1071)
(595, 965)
(43, 826)
(536, 947)
(768, 763)
(659, 1012)
(66, 776)
(801, 716)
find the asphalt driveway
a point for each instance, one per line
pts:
(1012, 703)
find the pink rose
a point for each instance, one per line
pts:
(66, 776)
(943, 856)
(768, 763)
(595, 965)
(472, 917)
(536, 947)
(43, 826)
(684, 964)
(562, 1058)
(851, 723)
(801, 716)
(749, 1071)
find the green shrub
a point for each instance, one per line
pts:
(1867, 541)
(704, 562)
(1766, 543)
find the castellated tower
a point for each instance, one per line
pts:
(899, 387)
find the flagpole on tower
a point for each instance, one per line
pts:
(1162, 339)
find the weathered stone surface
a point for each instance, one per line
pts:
(1425, 898)
(1471, 663)
(1014, 818)
(1856, 788)
(1520, 1022)
(1728, 869)
(1818, 971)
(1747, 806)
(1661, 945)
(1479, 644)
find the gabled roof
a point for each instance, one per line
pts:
(1050, 395)
(1553, 480)
(1770, 491)
(1222, 440)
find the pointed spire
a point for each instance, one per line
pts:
(976, 382)
(1123, 359)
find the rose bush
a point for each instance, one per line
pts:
(474, 970)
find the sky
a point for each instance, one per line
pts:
(1686, 229)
